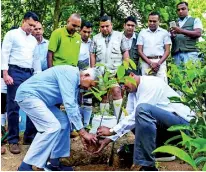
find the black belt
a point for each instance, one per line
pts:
(154, 57)
(87, 104)
(23, 69)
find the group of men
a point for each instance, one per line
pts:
(68, 55)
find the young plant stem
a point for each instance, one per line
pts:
(102, 114)
(119, 116)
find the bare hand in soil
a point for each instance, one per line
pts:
(103, 131)
(102, 144)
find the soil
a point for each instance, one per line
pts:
(81, 161)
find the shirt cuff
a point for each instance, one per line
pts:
(4, 67)
(113, 138)
(75, 119)
(118, 129)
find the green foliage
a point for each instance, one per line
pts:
(190, 80)
(177, 152)
(194, 153)
(198, 9)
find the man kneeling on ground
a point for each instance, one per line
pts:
(149, 111)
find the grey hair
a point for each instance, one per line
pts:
(92, 72)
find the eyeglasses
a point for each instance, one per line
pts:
(181, 9)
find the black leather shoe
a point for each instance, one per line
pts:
(58, 168)
(147, 168)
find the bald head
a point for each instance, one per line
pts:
(73, 23)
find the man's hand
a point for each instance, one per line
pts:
(103, 144)
(103, 131)
(87, 137)
(7, 79)
(176, 30)
(173, 33)
(155, 66)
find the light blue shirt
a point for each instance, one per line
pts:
(153, 42)
(18, 49)
(197, 22)
(41, 52)
(59, 84)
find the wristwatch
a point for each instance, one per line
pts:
(111, 130)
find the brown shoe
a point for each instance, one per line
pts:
(14, 148)
(3, 150)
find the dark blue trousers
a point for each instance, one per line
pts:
(148, 120)
(19, 75)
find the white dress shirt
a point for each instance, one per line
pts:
(153, 42)
(197, 23)
(84, 50)
(18, 49)
(154, 91)
(130, 40)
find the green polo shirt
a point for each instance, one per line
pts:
(66, 47)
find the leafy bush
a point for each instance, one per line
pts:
(190, 81)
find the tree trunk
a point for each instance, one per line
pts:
(101, 8)
(57, 13)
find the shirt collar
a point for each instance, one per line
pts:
(184, 18)
(88, 42)
(107, 35)
(133, 36)
(67, 34)
(23, 32)
(158, 29)
(43, 41)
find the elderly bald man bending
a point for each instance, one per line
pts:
(64, 43)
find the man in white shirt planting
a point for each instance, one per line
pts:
(149, 111)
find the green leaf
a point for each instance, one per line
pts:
(175, 99)
(177, 152)
(126, 64)
(106, 77)
(88, 93)
(185, 138)
(172, 139)
(179, 127)
(132, 63)
(120, 72)
(204, 167)
(199, 160)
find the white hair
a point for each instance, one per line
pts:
(92, 72)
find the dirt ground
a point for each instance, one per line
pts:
(81, 161)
